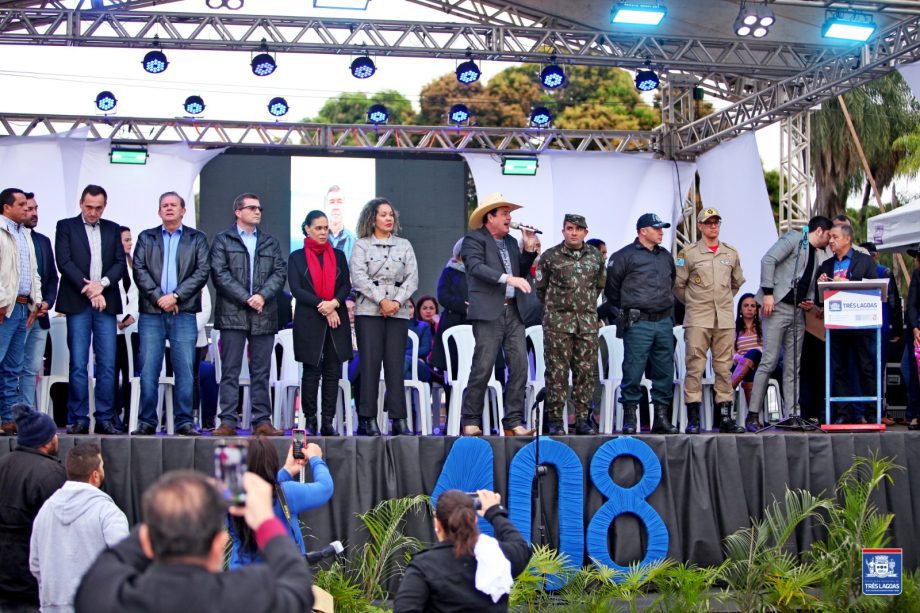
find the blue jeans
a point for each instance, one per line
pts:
(181, 330)
(32, 355)
(12, 339)
(97, 327)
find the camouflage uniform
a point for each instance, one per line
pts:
(568, 283)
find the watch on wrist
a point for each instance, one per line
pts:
(176, 296)
(104, 282)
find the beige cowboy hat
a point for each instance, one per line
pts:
(492, 202)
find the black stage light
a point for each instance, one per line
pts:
(105, 101)
(363, 67)
(378, 114)
(459, 113)
(194, 105)
(468, 72)
(540, 116)
(278, 107)
(155, 62)
(552, 76)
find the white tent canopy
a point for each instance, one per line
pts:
(896, 230)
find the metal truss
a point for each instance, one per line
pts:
(329, 137)
(795, 182)
(84, 4)
(238, 32)
(899, 44)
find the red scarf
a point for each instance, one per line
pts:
(323, 275)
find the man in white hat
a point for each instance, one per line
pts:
(496, 271)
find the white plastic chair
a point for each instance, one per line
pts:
(423, 407)
(286, 385)
(772, 391)
(165, 388)
(60, 364)
(611, 381)
(538, 381)
(465, 343)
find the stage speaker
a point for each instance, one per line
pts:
(895, 388)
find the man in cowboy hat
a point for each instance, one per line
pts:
(496, 271)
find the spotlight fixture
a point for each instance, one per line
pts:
(848, 25)
(194, 105)
(278, 107)
(263, 64)
(540, 116)
(155, 61)
(459, 113)
(638, 13)
(468, 72)
(646, 79)
(378, 114)
(105, 101)
(363, 67)
(128, 154)
(754, 20)
(552, 76)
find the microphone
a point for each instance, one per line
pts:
(541, 395)
(516, 225)
(332, 549)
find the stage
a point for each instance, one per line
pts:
(710, 486)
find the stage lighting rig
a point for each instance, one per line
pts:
(754, 20)
(278, 107)
(848, 25)
(459, 114)
(106, 101)
(646, 79)
(194, 105)
(378, 114)
(357, 5)
(468, 72)
(263, 64)
(155, 61)
(552, 76)
(363, 67)
(540, 117)
(638, 13)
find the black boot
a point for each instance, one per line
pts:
(367, 426)
(326, 427)
(662, 423)
(629, 417)
(693, 418)
(400, 426)
(727, 425)
(585, 426)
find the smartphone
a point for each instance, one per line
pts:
(229, 468)
(300, 441)
(477, 504)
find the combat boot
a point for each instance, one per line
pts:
(728, 425)
(662, 423)
(693, 418)
(629, 417)
(585, 426)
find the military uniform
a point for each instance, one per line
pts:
(706, 283)
(568, 283)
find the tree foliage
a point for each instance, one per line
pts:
(352, 107)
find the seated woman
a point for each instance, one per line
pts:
(465, 570)
(290, 498)
(748, 351)
(423, 331)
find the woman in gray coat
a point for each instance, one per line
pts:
(384, 274)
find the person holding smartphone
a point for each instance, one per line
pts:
(290, 497)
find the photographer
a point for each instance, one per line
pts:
(290, 497)
(466, 570)
(172, 561)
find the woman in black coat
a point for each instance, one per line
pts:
(319, 280)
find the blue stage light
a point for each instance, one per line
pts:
(848, 25)
(638, 13)
(105, 101)
(278, 107)
(552, 76)
(540, 116)
(263, 65)
(363, 67)
(468, 72)
(459, 113)
(378, 114)
(194, 105)
(647, 80)
(155, 61)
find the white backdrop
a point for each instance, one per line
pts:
(57, 168)
(911, 74)
(610, 189)
(731, 180)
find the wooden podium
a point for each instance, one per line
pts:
(853, 305)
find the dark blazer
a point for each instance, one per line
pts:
(309, 326)
(862, 266)
(192, 263)
(124, 579)
(71, 247)
(484, 268)
(436, 580)
(453, 294)
(47, 271)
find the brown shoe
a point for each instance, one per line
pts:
(519, 431)
(472, 431)
(224, 429)
(8, 427)
(267, 429)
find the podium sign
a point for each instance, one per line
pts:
(852, 309)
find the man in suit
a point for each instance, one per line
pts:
(91, 262)
(847, 264)
(787, 291)
(20, 297)
(171, 265)
(497, 272)
(37, 334)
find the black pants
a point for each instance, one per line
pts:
(381, 340)
(122, 395)
(859, 344)
(329, 369)
(232, 343)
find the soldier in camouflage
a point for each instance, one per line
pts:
(569, 279)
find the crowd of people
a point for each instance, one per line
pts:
(356, 306)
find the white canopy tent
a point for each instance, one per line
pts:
(896, 230)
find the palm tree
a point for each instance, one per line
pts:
(882, 111)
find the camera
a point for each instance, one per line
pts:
(477, 504)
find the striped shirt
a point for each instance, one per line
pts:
(25, 265)
(746, 342)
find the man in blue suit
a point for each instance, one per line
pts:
(91, 262)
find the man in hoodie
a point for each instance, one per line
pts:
(72, 527)
(29, 475)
